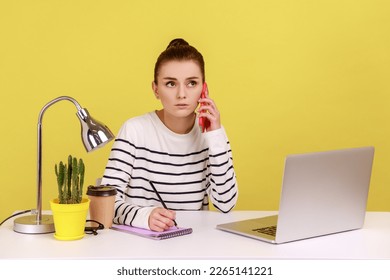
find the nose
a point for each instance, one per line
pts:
(181, 92)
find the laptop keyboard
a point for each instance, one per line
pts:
(266, 230)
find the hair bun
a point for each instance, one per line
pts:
(177, 43)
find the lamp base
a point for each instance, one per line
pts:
(30, 225)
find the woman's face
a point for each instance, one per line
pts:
(179, 84)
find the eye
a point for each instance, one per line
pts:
(192, 83)
(170, 84)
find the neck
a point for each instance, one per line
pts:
(178, 125)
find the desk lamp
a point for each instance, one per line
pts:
(94, 135)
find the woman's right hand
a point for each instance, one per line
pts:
(161, 219)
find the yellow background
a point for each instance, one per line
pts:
(287, 76)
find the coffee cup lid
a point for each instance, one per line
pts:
(101, 190)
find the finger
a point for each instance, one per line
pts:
(170, 214)
(155, 222)
(159, 225)
(165, 217)
(208, 112)
(208, 116)
(207, 104)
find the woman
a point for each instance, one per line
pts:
(167, 150)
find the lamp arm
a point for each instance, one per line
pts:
(55, 101)
(39, 149)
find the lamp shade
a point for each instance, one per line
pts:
(93, 133)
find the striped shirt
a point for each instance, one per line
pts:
(188, 170)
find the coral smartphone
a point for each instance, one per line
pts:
(203, 122)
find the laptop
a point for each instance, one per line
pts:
(322, 193)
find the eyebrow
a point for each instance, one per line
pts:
(175, 79)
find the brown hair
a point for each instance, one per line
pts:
(179, 50)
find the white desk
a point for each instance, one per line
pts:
(206, 242)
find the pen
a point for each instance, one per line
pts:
(161, 200)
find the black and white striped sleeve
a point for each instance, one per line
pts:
(222, 185)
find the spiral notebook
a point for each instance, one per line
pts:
(172, 232)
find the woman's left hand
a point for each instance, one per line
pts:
(209, 111)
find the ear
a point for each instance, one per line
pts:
(155, 90)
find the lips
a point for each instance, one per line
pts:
(182, 105)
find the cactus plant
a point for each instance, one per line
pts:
(70, 180)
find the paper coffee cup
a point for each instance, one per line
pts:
(102, 204)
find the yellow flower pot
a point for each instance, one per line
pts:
(69, 219)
